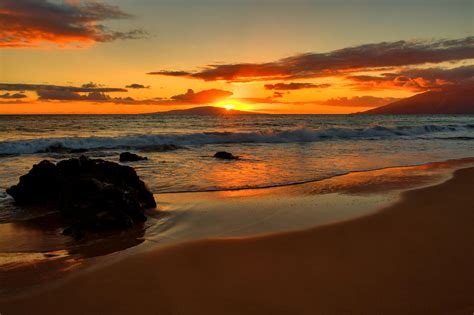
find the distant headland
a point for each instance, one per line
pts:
(453, 100)
(208, 110)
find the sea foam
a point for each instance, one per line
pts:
(150, 141)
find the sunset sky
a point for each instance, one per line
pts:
(117, 56)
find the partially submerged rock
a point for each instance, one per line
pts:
(94, 194)
(78, 150)
(131, 157)
(225, 156)
(161, 148)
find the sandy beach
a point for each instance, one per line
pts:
(264, 157)
(413, 257)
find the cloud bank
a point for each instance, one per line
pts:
(415, 79)
(388, 56)
(294, 86)
(31, 23)
(85, 88)
(137, 86)
(203, 97)
(14, 96)
(93, 92)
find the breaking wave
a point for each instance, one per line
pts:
(173, 141)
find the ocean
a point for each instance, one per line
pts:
(273, 149)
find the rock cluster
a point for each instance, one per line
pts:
(94, 194)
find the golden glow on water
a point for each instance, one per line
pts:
(219, 214)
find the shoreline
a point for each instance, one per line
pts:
(311, 181)
(411, 251)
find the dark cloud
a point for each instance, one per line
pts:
(337, 62)
(415, 79)
(202, 97)
(278, 94)
(29, 23)
(85, 88)
(294, 86)
(172, 73)
(12, 96)
(64, 95)
(90, 85)
(137, 86)
(359, 101)
(95, 93)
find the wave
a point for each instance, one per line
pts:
(163, 142)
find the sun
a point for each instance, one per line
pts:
(229, 105)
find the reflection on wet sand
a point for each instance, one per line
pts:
(33, 251)
(256, 211)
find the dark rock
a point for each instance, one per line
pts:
(75, 231)
(225, 156)
(39, 186)
(78, 151)
(131, 157)
(94, 194)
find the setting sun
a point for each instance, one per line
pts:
(235, 105)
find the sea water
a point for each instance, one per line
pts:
(273, 149)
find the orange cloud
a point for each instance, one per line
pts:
(361, 58)
(12, 96)
(32, 23)
(202, 97)
(415, 79)
(95, 93)
(295, 86)
(88, 87)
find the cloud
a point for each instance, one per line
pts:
(137, 86)
(202, 97)
(64, 95)
(85, 88)
(12, 96)
(338, 62)
(94, 97)
(359, 101)
(32, 23)
(294, 86)
(415, 79)
(97, 93)
(172, 73)
(90, 85)
(46, 92)
(190, 97)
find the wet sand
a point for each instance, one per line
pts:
(413, 257)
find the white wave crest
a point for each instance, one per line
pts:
(149, 141)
